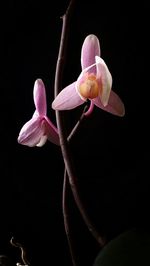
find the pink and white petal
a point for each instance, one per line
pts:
(105, 78)
(67, 99)
(31, 133)
(42, 141)
(114, 106)
(35, 114)
(90, 48)
(51, 131)
(39, 96)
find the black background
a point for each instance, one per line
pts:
(110, 153)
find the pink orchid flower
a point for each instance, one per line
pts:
(94, 83)
(39, 128)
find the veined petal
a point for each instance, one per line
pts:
(39, 96)
(106, 79)
(31, 132)
(90, 48)
(67, 99)
(51, 131)
(114, 106)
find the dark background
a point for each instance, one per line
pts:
(111, 153)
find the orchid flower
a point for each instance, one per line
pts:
(94, 83)
(39, 128)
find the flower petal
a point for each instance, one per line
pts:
(31, 132)
(67, 99)
(51, 132)
(114, 106)
(42, 141)
(90, 48)
(39, 96)
(106, 79)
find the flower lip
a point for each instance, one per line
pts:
(89, 87)
(82, 77)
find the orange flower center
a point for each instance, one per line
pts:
(90, 87)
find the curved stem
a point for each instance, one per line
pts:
(74, 187)
(72, 133)
(65, 197)
(66, 218)
(90, 109)
(65, 148)
(67, 156)
(62, 50)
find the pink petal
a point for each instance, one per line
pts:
(67, 99)
(114, 106)
(106, 79)
(90, 48)
(35, 114)
(31, 133)
(51, 132)
(42, 141)
(39, 96)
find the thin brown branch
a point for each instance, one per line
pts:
(66, 188)
(65, 148)
(62, 48)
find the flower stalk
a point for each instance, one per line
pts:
(65, 147)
